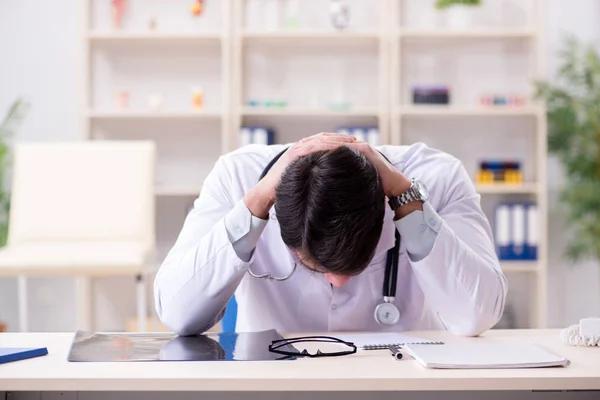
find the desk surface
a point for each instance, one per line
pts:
(367, 370)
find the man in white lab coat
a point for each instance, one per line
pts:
(308, 247)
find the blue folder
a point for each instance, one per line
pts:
(10, 354)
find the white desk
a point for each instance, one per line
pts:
(366, 370)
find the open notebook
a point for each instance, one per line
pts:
(485, 355)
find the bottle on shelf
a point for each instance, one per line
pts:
(197, 98)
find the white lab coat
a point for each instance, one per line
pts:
(457, 286)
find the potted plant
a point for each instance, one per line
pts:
(458, 12)
(8, 128)
(573, 107)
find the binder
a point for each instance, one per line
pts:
(256, 135)
(359, 134)
(502, 228)
(518, 232)
(343, 131)
(532, 239)
(245, 136)
(373, 137)
(260, 136)
(369, 134)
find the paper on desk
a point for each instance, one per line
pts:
(472, 355)
(371, 341)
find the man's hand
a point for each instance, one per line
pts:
(261, 197)
(393, 181)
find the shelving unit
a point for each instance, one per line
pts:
(118, 115)
(530, 36)
(505, 188)
(471, 34)
(308, 112)
(312, 61)
(248, 41)
(520, 267)
(121, 38)
(310, 35)
(465, 111)
(181, 53)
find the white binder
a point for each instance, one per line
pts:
(359, 134)
(518, 231)
(245, 137)
(260, 136)
(502, 229)
(373, 137)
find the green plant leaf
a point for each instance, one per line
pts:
(8, 128)
(443, 4)
(573, 105)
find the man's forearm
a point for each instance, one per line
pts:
(247, 221)
(258, 201)
(400, 187)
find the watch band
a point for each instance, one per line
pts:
(407, 197)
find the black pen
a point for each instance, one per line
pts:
(396, 352)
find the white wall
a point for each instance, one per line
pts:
(39, 59)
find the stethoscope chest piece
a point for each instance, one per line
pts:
(387, 313)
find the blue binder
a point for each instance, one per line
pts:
(256, 135)
(10, 354)
(532, 237)
(503, 231)
(516, 231)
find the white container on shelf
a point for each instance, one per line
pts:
(459, 17)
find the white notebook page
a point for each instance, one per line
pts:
(486, 355)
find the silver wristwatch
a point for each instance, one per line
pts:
(416, 192)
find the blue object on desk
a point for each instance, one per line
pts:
(230, 317)
(10, 354)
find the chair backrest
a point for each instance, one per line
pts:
(83, 191)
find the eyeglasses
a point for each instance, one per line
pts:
(287, 344)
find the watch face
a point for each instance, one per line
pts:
(422, 190)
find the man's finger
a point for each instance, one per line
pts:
(331, 138)
(327, 135)
(314, 146)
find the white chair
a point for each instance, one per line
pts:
(81, 209)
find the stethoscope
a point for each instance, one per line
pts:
(386, 312)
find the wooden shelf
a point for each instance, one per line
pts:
(409, 33)
(309, 112)
(149, 37)
(123, 115)
(507, 188)
(174, 191)
(465, 111)
(298, 35)
(521, 266)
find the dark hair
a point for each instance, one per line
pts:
(330, 206)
